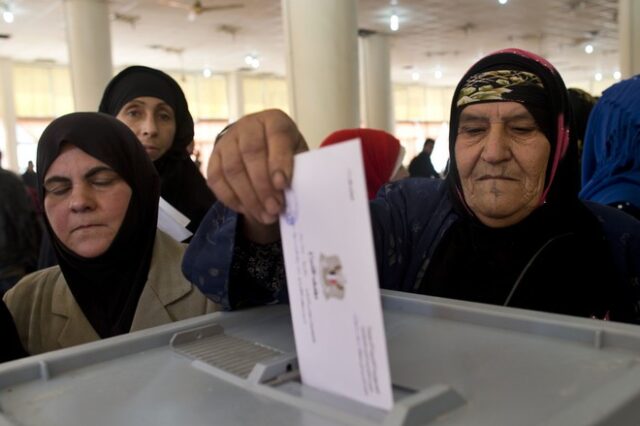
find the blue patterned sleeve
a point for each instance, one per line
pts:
(230, 270)
(409, 218)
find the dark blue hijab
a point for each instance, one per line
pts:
(611, 155)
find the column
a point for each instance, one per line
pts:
(376, 100)
(8, 111)
(89, 41)
(235, 95)
(322, 65)
(629, 37)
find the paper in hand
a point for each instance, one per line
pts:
(332, 277)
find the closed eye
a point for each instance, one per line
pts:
(471, 130)
(103, 177)
(57, 186)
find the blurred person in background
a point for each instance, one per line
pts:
(382, 155)
(421, 165)
(20, 231)
(611, 155)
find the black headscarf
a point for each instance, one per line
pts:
(107, 287)
(556, 259)
(534, 82)
(182, 184)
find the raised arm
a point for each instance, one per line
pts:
(235, 257)
(251, 165)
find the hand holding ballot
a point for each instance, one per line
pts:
(252, 164)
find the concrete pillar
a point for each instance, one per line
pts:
(8, 112)
(376, 101)
(89, 40)
(235, 96)
(629, 37)
(322, 64)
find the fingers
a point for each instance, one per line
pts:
(253, 153)
(219, 186)
(252, 164)
(284, 142)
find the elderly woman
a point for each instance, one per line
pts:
(505, 227)
(117, 273)
(153, 106)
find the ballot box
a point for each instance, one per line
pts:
(452, 363)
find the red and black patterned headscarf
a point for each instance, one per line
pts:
(514, 75)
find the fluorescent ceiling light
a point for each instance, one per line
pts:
(394, 22)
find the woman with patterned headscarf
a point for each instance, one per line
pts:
(505, 227)
(117, 272)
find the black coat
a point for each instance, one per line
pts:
(421, 166)
(10, 348)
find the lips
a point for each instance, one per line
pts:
(496, 177)
(84, 227)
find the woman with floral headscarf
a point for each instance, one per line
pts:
(117, 272)
(505, 227)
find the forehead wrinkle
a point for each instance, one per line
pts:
(490, 117)
(153, 102)
(98, 169)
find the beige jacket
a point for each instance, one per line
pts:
(48, 317)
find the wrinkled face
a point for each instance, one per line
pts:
(502, 159)
(85, 201)
(153, 121)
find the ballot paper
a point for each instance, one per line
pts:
(172, 222)
(332, 277)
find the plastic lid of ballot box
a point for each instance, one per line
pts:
(452, 363)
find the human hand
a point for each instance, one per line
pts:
(252, 164)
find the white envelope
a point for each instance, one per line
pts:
(172, 222)
(332, 277)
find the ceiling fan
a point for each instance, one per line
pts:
(197, 8)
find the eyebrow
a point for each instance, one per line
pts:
(136, 102)
(524, 115)
(91, 173)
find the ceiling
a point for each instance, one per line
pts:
(444, 35)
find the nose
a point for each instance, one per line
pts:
(497, 146)
(81, 199)
(149, 127)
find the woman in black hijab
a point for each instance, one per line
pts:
(505, 227)
(147, 100)
(117, 272)
(553, 255)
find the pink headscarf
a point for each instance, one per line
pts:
(380, 152)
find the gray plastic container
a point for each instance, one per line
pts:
(452, 363)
